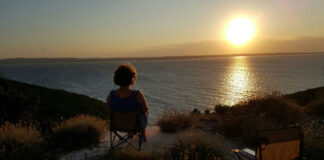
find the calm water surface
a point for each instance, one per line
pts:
(181, 84)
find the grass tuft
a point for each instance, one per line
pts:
(173, 121)
(78, 132)
(18, 141)
(197, 144)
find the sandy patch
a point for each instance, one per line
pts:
(155, 139)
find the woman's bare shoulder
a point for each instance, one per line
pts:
(139, 93)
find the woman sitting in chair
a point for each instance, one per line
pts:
(125, 99)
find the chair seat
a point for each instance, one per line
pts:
(280, 144)
(275, 144)
(128, 122)
(125, 122)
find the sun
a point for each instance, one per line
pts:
(240, 31)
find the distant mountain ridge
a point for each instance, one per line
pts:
(45, 60)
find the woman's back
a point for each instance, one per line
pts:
(124, 99)
(124, 104)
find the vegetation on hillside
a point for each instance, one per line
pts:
(190, 144)
(36, 121)
(197, 144)
(312, 100)
(78, 132)
(173, 121)
(241, 121)
(20, 141)
(35, 104)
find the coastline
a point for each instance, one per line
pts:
(70, 59)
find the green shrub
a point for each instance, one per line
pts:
(173, 121)
(196, 144)
(20, 142)
(78, 132)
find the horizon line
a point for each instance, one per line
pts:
(76, 59)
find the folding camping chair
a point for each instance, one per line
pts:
(276, 144)
(121, 124)
(280, 144)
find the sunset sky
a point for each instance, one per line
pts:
(135, 28)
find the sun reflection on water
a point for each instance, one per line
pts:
(239, 81)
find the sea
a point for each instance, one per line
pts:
(181, 84)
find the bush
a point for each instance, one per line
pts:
(20, 142)
(316, 107)
(78, 132)
(220, 109)
(243, 120)
(173, 121)
(305, 97)
(271, 107)
(196, 144)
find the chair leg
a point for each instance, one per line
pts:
(111, 140)
(113, 135)
(140, 140)
(125, 140)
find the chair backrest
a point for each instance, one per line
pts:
(126, 122)
(280, 144)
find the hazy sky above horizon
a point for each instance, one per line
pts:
(98, 28)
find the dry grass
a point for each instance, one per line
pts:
(173, 121)
(197, 144)
(243, 120)
(19, 142)
(78, 132)
(270, 107)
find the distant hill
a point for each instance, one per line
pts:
(31, 103)
(53, 60)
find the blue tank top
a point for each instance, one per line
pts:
(123, 105)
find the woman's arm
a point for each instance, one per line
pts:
(142, 101)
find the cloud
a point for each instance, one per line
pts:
(264, 45)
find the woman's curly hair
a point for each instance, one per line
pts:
(125, 75)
